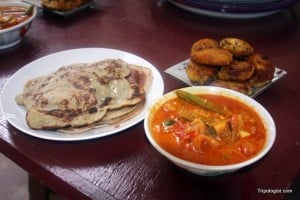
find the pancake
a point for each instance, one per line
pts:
(112, 118)
(83, 94)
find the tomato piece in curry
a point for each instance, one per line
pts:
(199, 135)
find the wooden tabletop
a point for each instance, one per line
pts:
(125, 165)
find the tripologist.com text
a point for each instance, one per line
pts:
(274, 191)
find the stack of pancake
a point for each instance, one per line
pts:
(230, 63)
(83, 96)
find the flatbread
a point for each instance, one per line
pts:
(82, 95)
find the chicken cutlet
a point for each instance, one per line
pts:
(263, 70)
(201, 74)
(214, 57)
(205, 43)
(237, 71)
(240, 86)
(238, 47)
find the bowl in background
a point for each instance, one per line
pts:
(13, 35)
(212, 170)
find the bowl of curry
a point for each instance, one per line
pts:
(15, 20)
(209, 130)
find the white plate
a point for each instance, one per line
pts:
(233, 9)
(243, 1)
(178, 71)
(212, 13)
(15, 114)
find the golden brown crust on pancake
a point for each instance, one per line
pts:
(205, 43)
(263, 70)
(200, 74)
(237, 71)
(81, 95)
(112, 118)
(142, 76)
(214, 57)
(37, 119)
(238, 47)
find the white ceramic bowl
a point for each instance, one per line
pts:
(11, 36)
(212, 170)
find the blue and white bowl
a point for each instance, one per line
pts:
(12, 36)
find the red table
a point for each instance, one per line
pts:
(124, 165)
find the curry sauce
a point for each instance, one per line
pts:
(14, 15)
(196, 134)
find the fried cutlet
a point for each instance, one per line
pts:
(200, 74)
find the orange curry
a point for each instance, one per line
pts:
(13, 15)
(197, 134)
